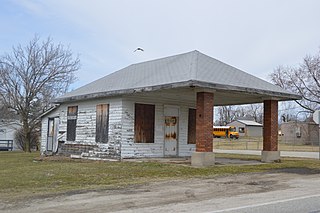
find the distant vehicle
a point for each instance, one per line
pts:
(225, 131)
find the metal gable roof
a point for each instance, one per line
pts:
(249, 123)
(183, 70)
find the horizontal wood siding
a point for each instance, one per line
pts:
(130, 149)
(184, 148)
(86, 126)
(115, 129)
(121, 127)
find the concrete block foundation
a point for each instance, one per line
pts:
(202, 159)
(270, 156)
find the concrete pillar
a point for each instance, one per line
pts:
(204, 155)
(270, 151)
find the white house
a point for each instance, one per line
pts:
(7, 133)
(157, 108)
(247, 128)
(297, 132)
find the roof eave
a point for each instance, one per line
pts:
(275, 95)
(123, 92)
(191, 83)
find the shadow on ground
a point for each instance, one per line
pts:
(298, 171)
(187, 161)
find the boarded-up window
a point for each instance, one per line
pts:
(144, 123)
(102, 123)
(192, 126)
(72, 122)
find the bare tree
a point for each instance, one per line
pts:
(31, 76)
(303, 80)
(256, 112)
(227, 114)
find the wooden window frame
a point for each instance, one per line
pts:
(50, 134)
(144, 123)
(72, 116)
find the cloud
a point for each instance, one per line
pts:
(34, 7)
(254, 36)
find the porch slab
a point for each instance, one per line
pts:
(201, 159)
(270, 156)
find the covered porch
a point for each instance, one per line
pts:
(203, 97)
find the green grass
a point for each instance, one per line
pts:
(22, 177)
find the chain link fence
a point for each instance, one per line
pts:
(256, 143)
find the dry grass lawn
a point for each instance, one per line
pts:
(23, 177)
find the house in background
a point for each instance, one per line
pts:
(149, 110)
(7, 134)
(297, 132)
(248, 128)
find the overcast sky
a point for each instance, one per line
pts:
(254, 36)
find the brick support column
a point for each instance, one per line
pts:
(270, 125)
(204, 122)
(270, 151)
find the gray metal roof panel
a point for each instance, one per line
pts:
(188, 67)
(250, 123)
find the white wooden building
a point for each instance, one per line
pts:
(149, 109)
(8, 129)
(247, 128)
(299, 133)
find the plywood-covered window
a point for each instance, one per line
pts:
(192, 126)
(144, 123)
(102, 123)
(72, 116)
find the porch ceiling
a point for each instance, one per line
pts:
(221, 97)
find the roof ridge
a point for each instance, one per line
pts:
(162, 58)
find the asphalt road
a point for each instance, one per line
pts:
(302, 196)
(310, 203)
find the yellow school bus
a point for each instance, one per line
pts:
(225, 131)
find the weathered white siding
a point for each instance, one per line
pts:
(184, 149)
(86, 125)
(130, 149)
(121, 127)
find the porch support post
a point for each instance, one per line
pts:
(204, 155)
(270, 151)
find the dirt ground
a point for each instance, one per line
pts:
(139, 198)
